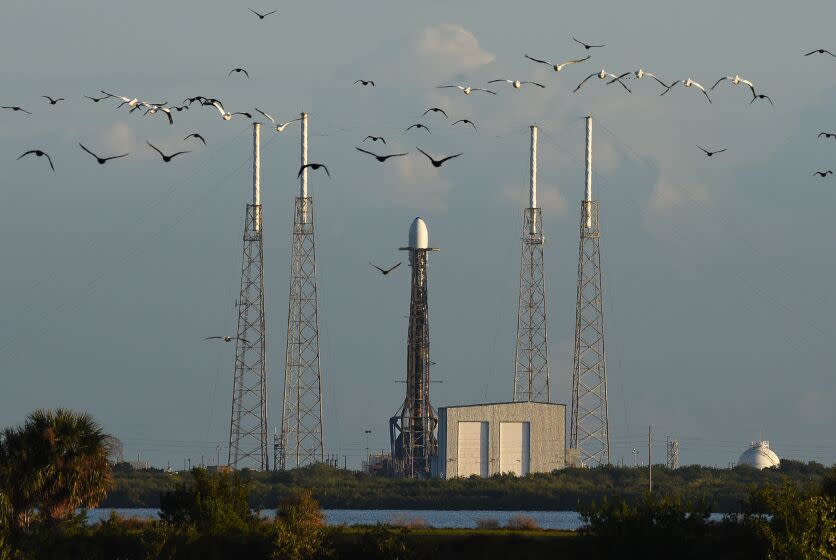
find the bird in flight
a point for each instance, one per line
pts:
(153, 109)
(639, 74)
(313, 166)
(195, 135)
(365, 82)
(227, 338)
(375, 139)
(516, 83)
(101, 160)
(823, 173)
(736, 80)
(827, 134)
(436, 110)
(437, 162)
(132, 103)
(465, 121)
(97, 99)
(51, 100)
(709, 154)
(688, 83)
(262, 16)
(225, 115)
(586, 46)
(386, 271)
(467, 90)
(381, 159)
(240, 71)
(603, 74)
(558, 67)
(39, 153)
(279, 126)
(761, 96)
(820, 51)
(14, 108)
(166, 158)
(418, 125)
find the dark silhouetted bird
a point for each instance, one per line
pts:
(586, 46)
(240, 71)
(195, 135)
(97, 99)
(437, 162)
(375, 139)
(820, 51)
(381, 159)
(465, 121)
(39, 153)
(436, 110)
(761, 96)
(603, 74)
(418, 125)
(823, 173)
(709, 154)
(51, 100)
(101, 160)
(386, 271)
(226, 338)
(313, 166)
(517, 84)
(827, 134)
(14, 108)
(165, 157)
(262, 16)
(365, 82)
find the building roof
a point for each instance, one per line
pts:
(504, 403)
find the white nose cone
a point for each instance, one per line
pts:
(419, 238)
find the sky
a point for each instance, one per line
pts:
(717, 271)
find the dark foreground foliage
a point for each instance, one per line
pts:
(568, 489)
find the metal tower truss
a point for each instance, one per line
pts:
(531, 370)
(589, 422)
(302, 424)
(248, 427)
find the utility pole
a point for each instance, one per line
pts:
(650, 458)
(368, 456)
(672, 453)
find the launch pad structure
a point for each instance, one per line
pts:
(412, 431)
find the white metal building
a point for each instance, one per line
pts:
(513, 437)
(759, 456)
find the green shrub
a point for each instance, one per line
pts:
(299, 529)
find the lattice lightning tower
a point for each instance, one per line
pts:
(589, 422)
(531, 360)
(302, 433)
(248, 426)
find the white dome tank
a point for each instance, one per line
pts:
(419, 237)
(759, 456)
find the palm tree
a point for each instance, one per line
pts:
(55, 463)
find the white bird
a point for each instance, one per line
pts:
(603, 74)
(557, 67)
(736, 80)
(279, 126)
(639, 74)
(467, 90)
(516, 83)
(226, 115)
(152, 110)
(688, 83)
(132, 103)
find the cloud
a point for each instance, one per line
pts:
(119, 138)
(418, 185)
(452, 46)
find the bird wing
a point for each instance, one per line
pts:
(442, 87)
(377, 267)
(820, 133)
(768, 99)
(808, 54)
(114, 157)
(270, 13)
(393, 268)
(50, 161)
(663, 84)
(247, 74)
(750, 84)
(217, 105)
(230, 73)
(178, 153)
(617, 79)
(365, 151)
(51, 100)
(301, 169)
(396, 155)
(256, 13)
(828, 52)
(246, 114)
(326, 170)
(272, 120)
(213, 338)
(580, 42)
(702, 89)
(155, 148)
(167, 113)
(584, 81)
(449, 157)
(587, 57)
(416, 147)
(718, 81)
(668, 88)
(501, 80)
(703, 149)
(26, 154)
(538, 60)
(88, 151)
(721, 151)
(485, 90)
(534, 84)
(410, 127)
